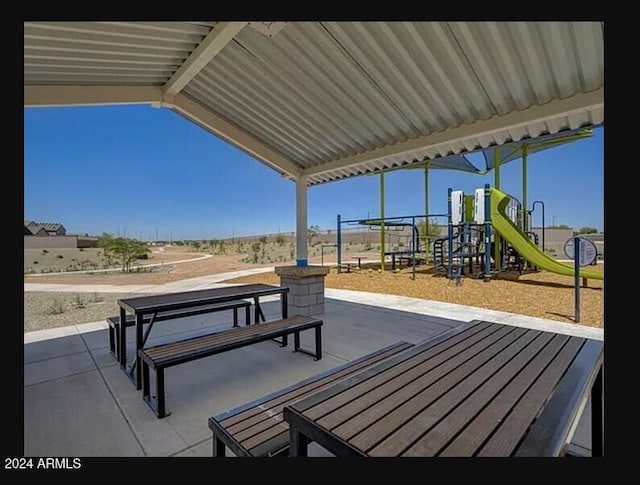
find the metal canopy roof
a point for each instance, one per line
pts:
(330, 100)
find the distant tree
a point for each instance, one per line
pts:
(280, 239)
(125, 250)
(427, 232)
(196, 245)
(560, 226)
(263, 239)
(588, 230)
(312, 233)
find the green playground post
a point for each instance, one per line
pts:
(523, 212)
(496, 184)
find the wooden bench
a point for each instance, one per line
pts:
(167, 355)
(114, 322)
(258, 429)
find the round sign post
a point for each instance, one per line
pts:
(583, 252)
(587, 252)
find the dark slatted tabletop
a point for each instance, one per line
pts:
(186, 299)
(484, 389)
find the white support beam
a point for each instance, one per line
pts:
(301, 222)
(232, 134)
(579, 103)
(47, 96)
(210, 46)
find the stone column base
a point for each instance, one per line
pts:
(306, 288)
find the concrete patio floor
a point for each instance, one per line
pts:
(77, 401)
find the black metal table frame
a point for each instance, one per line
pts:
(546, 437)
(141, 337)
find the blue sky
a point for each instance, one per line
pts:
(136, 168)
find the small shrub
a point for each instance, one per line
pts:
(78, 302)
(95, 298)
(60, 256)
(44, 251)
(82, 249)
(35, 262)
(56, 308)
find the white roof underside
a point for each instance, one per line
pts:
(329, 100)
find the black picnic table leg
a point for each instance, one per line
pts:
(160, 403)
(257, 311)
(285, 305)
(296, 341)
(298, 443)
(318, 343)
(235, 317)
(218, 447)
(597, 422)
(247, 315)
(139, 345)
(122, 344)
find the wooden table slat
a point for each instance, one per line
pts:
(395, 390)
(511, 430)
(451, 389)
(484, 390)
(483, 425)
(438, 353)
(451, 336)
(431, 442)
(169, 301)
(549, 434)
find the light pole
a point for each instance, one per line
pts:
(554, 222)
(533, 207)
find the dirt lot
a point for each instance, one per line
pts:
(63, 259)
(160, 275)
(542, 294)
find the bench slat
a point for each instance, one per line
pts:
(205, 342)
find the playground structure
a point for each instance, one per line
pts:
(487, 232)
(476, 222)
(413, 250)
(486, 236)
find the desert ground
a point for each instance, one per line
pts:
(539, 294)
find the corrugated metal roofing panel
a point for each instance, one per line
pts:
(562, 124)
(320, 92)
(325, 91)
(107, 53)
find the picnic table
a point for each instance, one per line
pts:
(360, 258)
(151, 305)
(482, 389)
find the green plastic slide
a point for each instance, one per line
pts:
(525, 246)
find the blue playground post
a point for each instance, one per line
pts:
(339, 244)
(449, 234)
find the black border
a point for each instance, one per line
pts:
(622, 320)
